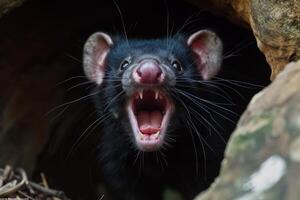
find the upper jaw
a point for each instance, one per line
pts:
(149, 112)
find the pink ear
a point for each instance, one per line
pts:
(95, 51)
(208, 49)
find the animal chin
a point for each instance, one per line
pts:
(149, 114)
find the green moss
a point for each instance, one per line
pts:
(250, 137)
(172, 195)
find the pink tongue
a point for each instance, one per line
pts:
(149, 122)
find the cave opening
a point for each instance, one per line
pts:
(41, 74)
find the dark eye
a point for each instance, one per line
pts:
(176, 64)
(124, 65)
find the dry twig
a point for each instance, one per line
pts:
(15, 184)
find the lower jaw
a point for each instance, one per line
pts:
(149, 143)
(149, 147)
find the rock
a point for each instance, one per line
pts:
(262, 158)
(275, 24)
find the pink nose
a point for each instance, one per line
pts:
(148, 72)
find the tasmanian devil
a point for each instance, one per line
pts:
(161, 122)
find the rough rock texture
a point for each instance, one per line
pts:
(275, 24)
(7, 5)
(263, 155)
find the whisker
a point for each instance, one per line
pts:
(71, 78)
(136, 158)
(123, 22)
(207, 101)
(168, 21)
(202, 146)
(228, 99)
(82, 136)
(79, 84)
(164, 158)
(189, 20)
(201, 139)
(71, 102)
(211, 103)
(211, 126)
(112, 101)
(238, 48)
(210, 84)
(239, 83)
(73, 58)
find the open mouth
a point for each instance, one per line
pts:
(149, 114)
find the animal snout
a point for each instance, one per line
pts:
(148, 72)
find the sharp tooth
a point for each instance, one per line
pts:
(142, 136)
(156, 94)
(156, 134)
(141, 94)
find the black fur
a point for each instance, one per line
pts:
(190, 162)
